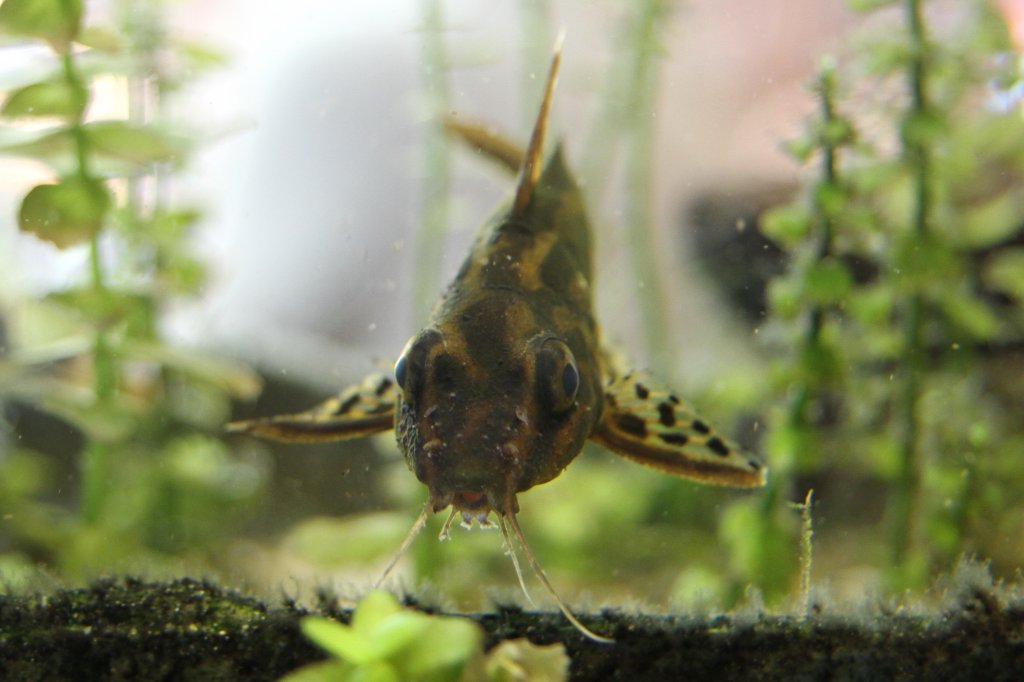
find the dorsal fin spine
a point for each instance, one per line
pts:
(530, 170)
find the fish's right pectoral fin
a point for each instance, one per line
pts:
(648, 424)
(358, 411)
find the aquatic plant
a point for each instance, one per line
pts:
(153, 477)
(386, 642)
(898, 301)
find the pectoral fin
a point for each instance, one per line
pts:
(358, 411)
(650, 425)
(488, 142)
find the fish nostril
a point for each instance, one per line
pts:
(431, 447)
(510, 452)
(521, 415)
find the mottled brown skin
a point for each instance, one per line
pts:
(499, 392)
(483, 413)
(501, 389)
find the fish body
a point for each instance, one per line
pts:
(502, 388)
(504, 385)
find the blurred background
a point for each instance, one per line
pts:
(279, 209)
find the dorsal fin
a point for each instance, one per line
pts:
(530, 170)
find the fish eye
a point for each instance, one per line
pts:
(558, 378)
(410, 369)
(401, 371)
(570, 379)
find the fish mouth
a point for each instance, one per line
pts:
(473, 480)
(471, 506)
(470, 501)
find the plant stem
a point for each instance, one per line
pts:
(796, 416)
(74, 80)
(905, 496)
(816, 315)
(436, 164)
(95, 455)
(806, 552)
(639, 183)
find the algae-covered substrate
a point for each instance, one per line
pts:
(130, 629)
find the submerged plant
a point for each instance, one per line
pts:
(152, 476)
(897, 300)
(386, 642)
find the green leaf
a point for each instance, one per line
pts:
(55, 21)
(1005, 272)
(373, 609)
(872, 305)
(836, 132)
(39, 144)
(979, 435)
(338, 640)
(77, 406)
(23, 473)
(793, 447)
(184, 275)
(101, 38)
(970, 315)
(51, 98)
(830, 198)
(875, 177)
(921, 261)
(197, 460)
(801, 148)
(922, 128)
(197, 404)
(787, 224)
(697, 588)
(132, 143)
(883, 455)
(883, 56)
(116, 148)
(820, 363)
(868, 5)
(67, 213)
(227, 375)
(398, 631)
(521, 659)
(202, 56)
(827, 282)
(442, 649)
(991, 222)
(375, 672)
(784, 297)
(171, 226)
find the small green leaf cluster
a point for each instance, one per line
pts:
(153, 480)
(902, 300)
(387, 643)
(808, 301)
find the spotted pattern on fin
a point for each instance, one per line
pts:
(651, 426)
(358, 411)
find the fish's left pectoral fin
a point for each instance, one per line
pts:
(358, 411)
(652, 426)
(486, 140)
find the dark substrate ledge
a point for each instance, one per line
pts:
(192, 630)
